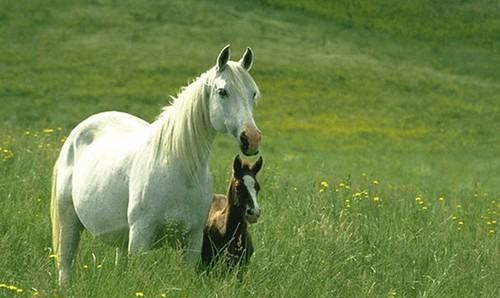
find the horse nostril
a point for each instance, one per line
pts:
(244, 143)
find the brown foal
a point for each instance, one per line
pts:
(226, 238)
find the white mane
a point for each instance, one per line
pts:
(184, 127)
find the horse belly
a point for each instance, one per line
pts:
(100, 193)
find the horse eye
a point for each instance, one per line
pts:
(222, 92)
(254, 94)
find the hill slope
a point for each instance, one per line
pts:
(380, 127)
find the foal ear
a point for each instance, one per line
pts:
(247, 60)
(237, 165)
(257, 166)
(223, 57)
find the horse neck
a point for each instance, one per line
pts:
(235, 221)
(184, 132)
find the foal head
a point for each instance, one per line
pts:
(244, 189)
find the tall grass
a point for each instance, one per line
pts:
(380, 145)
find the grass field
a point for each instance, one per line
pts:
(381, 140)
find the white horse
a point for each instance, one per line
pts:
(123, 179)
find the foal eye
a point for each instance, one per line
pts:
(222, 92)
(254, 94)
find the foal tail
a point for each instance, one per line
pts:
(54, 217)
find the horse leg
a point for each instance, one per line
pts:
(70, 230)
(141, 236)
(193, 250)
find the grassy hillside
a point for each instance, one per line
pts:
(381, 141)
(471, 23)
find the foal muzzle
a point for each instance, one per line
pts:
(252, 215)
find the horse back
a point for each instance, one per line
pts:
(105, 125)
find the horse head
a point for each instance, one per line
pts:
(233, 94)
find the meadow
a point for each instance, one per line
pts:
(381, 140)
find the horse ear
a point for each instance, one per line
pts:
(223, 57)
(237, 165)
(247, 60)
(257, 166)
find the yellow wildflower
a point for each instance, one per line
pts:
(6, 154)
(376, 199)
(376, 182)
(48, 130)
(139, 294)
(324, 184)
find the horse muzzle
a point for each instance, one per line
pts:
(250, 139)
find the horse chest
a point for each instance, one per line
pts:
(169, 197)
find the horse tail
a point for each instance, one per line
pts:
(54, 214)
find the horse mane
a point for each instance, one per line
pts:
(184, 130)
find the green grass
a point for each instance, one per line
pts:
(394, 105)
